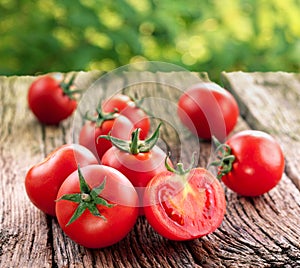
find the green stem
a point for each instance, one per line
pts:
(135, 145)
(66, 88)
(138, 103)
(179, 167)
(101, 116)
(225, 158)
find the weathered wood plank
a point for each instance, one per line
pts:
(254, 233)
(25, 232)
(273, 220)
(24, 239)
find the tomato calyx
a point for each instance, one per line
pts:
(101, 116)
(65, 86)
(135, 145)
(179, 170)
(87, 199)
(224, 157)
(139, 104)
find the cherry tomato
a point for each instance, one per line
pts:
(51, 101)
(43, 180)
(104, 123)
(138, 160)
(96, 206)
(207, 109)
(131, 109)
(184, 205)
(250, 163)
(140, 167)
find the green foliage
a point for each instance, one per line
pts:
(213, 36)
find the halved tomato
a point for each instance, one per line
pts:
(184, 205)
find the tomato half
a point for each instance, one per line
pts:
(129, 108)
(113, 216)
(43, 180)
(51, 101)
(207, 109)
(257, 164)
(184, 207)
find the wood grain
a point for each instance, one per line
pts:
(256, 232)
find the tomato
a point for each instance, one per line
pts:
(131, 109)
(207, 109)
(104, 123)
(250, 163)
(140, 167)
(184, 205)
(96, 206)
(138, 160)
(43, 180)
(51, 101)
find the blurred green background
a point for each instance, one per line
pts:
(213, 36)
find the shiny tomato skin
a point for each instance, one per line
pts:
(120, 127)
(91, 231)
(138, 168)
(127, 107)
(184, 209)
(44, 179)
(258, 165)
(48, 102)
(118, 101)
(206, 110)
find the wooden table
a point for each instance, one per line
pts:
(256, 232)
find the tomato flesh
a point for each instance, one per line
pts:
(184, 207)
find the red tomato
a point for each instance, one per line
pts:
(43, 180)
(117, 125)
(108, 206)
(138, 160)
(51, 101)
(184, 206)
(129, 108)
(138, 168)
(251, 164)
(207, 109)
